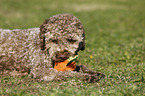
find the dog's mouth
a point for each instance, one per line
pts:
(61, 56)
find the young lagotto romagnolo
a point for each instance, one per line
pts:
(34, 51)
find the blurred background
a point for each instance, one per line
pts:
(31, 13)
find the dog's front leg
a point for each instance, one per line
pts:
(52, 74)
(79, 75)
(84, 69)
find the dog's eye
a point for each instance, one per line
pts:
(71, 40)
(53, 40)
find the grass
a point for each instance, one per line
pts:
(115, 41)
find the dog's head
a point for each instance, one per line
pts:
(62, 36)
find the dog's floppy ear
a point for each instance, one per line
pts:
(82, 43)
(42, 34)
(42, 41)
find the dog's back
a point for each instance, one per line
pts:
(14, 46)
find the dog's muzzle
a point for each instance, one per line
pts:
(61, 56)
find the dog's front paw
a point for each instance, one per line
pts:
(94, 77)
(48, 78)
(49, 75)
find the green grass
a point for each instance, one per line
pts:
(115, 38)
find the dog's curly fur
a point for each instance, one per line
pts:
(35, 50)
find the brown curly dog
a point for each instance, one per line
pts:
(35, 50)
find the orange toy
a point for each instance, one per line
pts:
(66, 65)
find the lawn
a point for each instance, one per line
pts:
(115, 46)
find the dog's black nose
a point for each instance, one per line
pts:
(80, 47)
